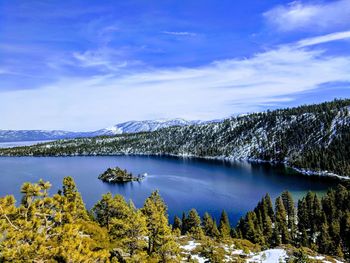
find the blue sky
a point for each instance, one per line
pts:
(85, 65)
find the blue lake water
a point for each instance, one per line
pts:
(183, 183)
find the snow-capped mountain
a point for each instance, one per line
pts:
(144, 126)
(125, 127)
(34, 135)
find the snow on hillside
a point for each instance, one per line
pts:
(144, 126)
(269, 256)
(192, 249)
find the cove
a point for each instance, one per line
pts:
(184, 183)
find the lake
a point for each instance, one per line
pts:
(184, 183)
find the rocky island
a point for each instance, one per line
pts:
(118, 175)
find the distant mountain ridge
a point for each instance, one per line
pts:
(120, 128)
(144, 126)
(35, 135)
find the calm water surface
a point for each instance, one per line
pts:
(184, 183)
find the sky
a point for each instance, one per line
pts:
(84, 65)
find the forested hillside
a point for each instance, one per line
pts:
(58, 228)
(314, 137)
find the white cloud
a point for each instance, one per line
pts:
(180, 33)
(212, 91)
(297, 15)
(103, 58)
(95, 59)
(323, 39)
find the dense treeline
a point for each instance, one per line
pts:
(315, 137)
(58, 228)
(320, 224)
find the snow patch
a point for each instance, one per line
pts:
(270, 256)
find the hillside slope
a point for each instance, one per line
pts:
(315, 137)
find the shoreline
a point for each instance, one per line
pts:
(303, 171)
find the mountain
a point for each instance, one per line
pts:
(34, 135)
(313, 138)
(126, 127)
(143, 126)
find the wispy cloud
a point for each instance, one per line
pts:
(298, 15)
(179, 33)
(101, 58)
(323, 39)
(211, 91)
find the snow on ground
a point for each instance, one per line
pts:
(270, 256)
(276, 255)
(191, 245)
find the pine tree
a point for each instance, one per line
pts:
(35, 232)
(215, 233)
(224, 226)
(76, 205)
(268, 206)
(104, 210)
(177, 223)
(251, 230)
(316, 215)
(184, 227)
(207, 224)
(161, 242)
(193, 224)
(135, 231)
(324, 240)
(268, 230)
(281, 221)
(290, 209)
(119, 219)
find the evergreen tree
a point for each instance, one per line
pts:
(209, 226)
(281, 224)
(268, 206)
(215, 231)
(224, 226)
(104, 210)
(291, 214)
(135, 231)
(177, 223)
(324, 240)
(184, 228)
(268, 230)
(161, 242)
(36, 231)
(193, 224)
(76, 204)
